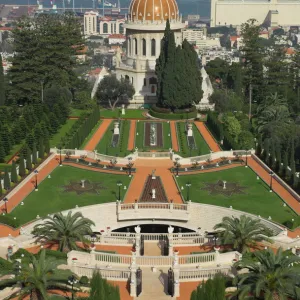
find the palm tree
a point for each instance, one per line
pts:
(270, 275)
(243, 232)
(35, 277)
(64, 230)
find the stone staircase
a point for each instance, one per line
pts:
(155, 285)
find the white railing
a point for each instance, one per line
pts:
(154, 154)
(197, 258)
(138, 210)
(188, 238)
(107, 273)
(112, 258)
(203, 273)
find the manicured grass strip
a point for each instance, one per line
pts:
(4, 166)
(105, 146)
(55, 140)
(52, 198)
(256, 200)
(77, 112)
(202, 147)
(117, 113)
(90, 135)
(139, 139)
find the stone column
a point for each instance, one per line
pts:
(133, 275)
(176, 270)
(137, 240)
(170, 238)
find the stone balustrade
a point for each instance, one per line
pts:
(166, 211)
(110, 259)
(203, 273)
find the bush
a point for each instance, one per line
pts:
(84, 280)
(5, 265)
(56, 254)
(158, 109)
(18, 254)
(173, 116)
(9, 220)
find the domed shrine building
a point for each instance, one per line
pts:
(145, 27)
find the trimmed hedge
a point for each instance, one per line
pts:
(10, 221)
(5, 265)
(172, 116)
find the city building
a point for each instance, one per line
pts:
(145, 27)
(267, 12)
(193, 35)
(91, 23)
(109, 25)
(114, 39)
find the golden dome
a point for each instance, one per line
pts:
(153, 10)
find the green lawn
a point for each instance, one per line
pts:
(61, 132)
(129, 113)
(90, 135)
(77, 112)
(4, 166)
(257, 200)
(51, 198)
(139, 139)
(105, 146)
(202, 147)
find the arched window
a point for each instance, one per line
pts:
(105, 28)
(153, 89)
(135, 47)
(145, 81)
(144, 46)
(153, 83)
(129, 46)
(153, 46)
(121, 28)
(132, 80)
(126, 77)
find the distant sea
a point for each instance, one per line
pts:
(186, 7)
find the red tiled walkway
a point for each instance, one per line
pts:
(208, 137)
(131, 139)
(93, 142)
(144, 169)
(174, 136)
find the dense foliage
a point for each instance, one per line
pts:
(212, 289)
(64, 230)
(173, 67)
(269, 275)
(243, 232)
(45, 47)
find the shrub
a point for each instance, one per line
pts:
(18, 254)
(173, 116)
(84, 280)
(56, 254)
(10, 221)
(158, 109)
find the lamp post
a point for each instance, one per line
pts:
(188, 185)
(246, 158)
(130, 164)
(5, 202)
(119, 184)
(36, 181)
(72, 280)
(60, 160)
(271, 181)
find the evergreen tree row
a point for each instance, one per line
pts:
(80, 130)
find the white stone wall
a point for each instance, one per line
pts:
(113, 27)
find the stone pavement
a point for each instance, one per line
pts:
(144, 168)
(93, 142)
(131, 139)
(174, 136)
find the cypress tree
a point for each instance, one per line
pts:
(267, 151)
(34, 154)
(2, 84)
(14, 174)
(28, 160)
(1, 192)
(41, 149)
(278, 159)
(273, 155)
(22, 166)
(6, 180)
(2, 153)
(30, 140)
(47, 146)
(259, 146)
(5, 139)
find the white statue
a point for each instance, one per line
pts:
(170, 229)
(153, 193)
(123, 109)
(190, 131)
(116, 128)
(206, 86)
(137, 229)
